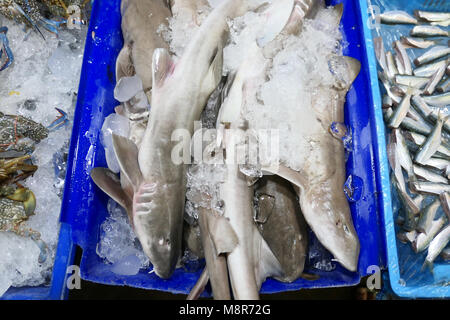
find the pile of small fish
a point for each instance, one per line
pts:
(415, 109)
(240, 246)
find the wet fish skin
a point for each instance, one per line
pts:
(432, 143)
(427, 216)
(285, 224)
(417, 43)
(411, 208)
(419, 140)
(428, 70)
(428, 31)
(429, 175)
(431, 16)
(177, 102)
(412, 81)
(434, 53)
(391, 65)
(438, 100)
(437, 245)
(445, 23)
(445, 201)
(400, 112)
(380, 53)
(434, 81)
(445, 254)
(444, 86)
(404, 57)
(397, 17)
(428, 187)
(416, 126)
(423, 240)
(407, 237)
(141, 37)
(420, 105)
(439, 164)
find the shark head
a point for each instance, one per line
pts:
(157, 232)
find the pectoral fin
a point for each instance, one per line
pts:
(124, 64)
(161, 66)
(106, 180)
(127, 156)
(222, 234)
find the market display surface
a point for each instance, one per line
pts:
(222, 148)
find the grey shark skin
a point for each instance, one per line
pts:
(280, 222)
(140, 22)
(179, 93)
(320, 182)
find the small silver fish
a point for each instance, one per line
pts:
(437, 245)
(437, 163)
(400, 112)
(445, 254)
(419, 140)
(416, 126)
(397, 17)
(417, 43)
(432, 16)
(427, 216)
(428, 31)
(434, 53)
(439, 100)
(403, 55)
(444, 86)
(429, 69)
(428, 187)
(419, 103)
(423, 240)
(434, 81)
(412, 81)
(387, 101)
(432, 143)
(444, 23)
(407, 237)
(429, 175)
(392, 69)
(445, 201)
(380, 52)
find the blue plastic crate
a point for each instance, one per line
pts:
(406, 278)
(57, 290)
(85, 205)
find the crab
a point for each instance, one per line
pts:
(18, 203)
(16, 206)
(32, 12)
(13, 130)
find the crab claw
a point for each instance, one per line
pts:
(26, 196)
(6, 56)
(19, 11)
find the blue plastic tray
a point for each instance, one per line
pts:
(404, 265)
(85, 205)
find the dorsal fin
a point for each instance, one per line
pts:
(339, 9)
(161, 65)
(106, 180)
(127, 156)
